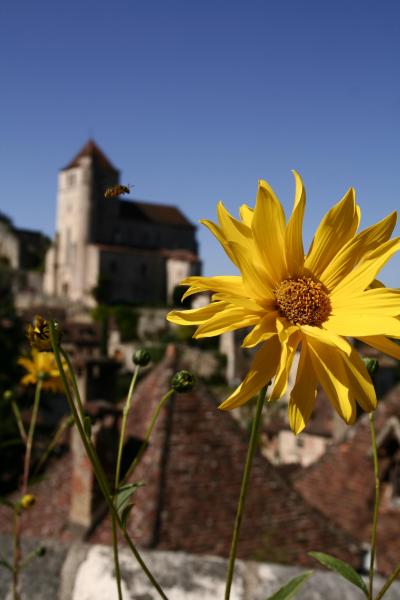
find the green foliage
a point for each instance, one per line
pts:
(127, 319)
(289, 589)
(123, 502)
(342, 568)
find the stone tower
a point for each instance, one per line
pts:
(81, 186)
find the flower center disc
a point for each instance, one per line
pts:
(303, 301)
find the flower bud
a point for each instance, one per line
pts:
(27, 501)
(372, 365)
(141, 358)
(8, 395)
(38, 333)
(183, 381)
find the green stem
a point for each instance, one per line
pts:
(74, 383)
(29, 441)
(65, 423)
(388, 583)
(116, 556)
(127, 408)
(18, 418)
(150, 428)
(99, 473)
(117, 477)
(376, 505)
(16, 555)
(243, 491)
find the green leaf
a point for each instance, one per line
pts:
(87, 426)
(289, 589)
(342, 568)
(125, 514)
(122, 500)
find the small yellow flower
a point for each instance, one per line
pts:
(310, 302)
(27, 501)
(41, 366)
(38, 333)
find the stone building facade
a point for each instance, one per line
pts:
(137, 252)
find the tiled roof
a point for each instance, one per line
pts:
(193, 468)
(91, 149)
(152, 213)
(341, 485)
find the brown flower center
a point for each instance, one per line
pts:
(303, 301)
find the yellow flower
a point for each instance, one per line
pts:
(293, 301)
(42, 364)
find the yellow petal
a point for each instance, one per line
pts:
(294, 234)
(262, 370)
(226, 284)
(352, 324)
(255, 277)
(232, 229)
(383, 301)
(327, 337)
(360, 382)
(26, 363)
(217, 232)
(226, 320)
(332, 375)
(268, 227)
(335, 229)
(302, 397)
(195, 316)
(286, 360)
(246, 214)
(382, 344)
(265, 329)
(356, 249)
(364, 273)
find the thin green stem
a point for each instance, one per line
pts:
(117, 477)
(18, 419)
(116, 556)
(376, 506)
(127, 408)
(388, 583)
(74, 383)
(99, 473)
(150, 428)
(65, 423)
(16, 555)
(29, 441)
(243, 491)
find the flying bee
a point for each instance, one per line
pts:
(117, 190)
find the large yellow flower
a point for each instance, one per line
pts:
(42, 363)
(293, 301)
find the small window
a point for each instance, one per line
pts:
(71, 180)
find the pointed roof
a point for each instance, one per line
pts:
(92, 150)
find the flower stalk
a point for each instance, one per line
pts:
(243, 490)
(376, 505)
(92, 455)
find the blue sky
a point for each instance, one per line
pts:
(195, 101)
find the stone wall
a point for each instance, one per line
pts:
(82, 572)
